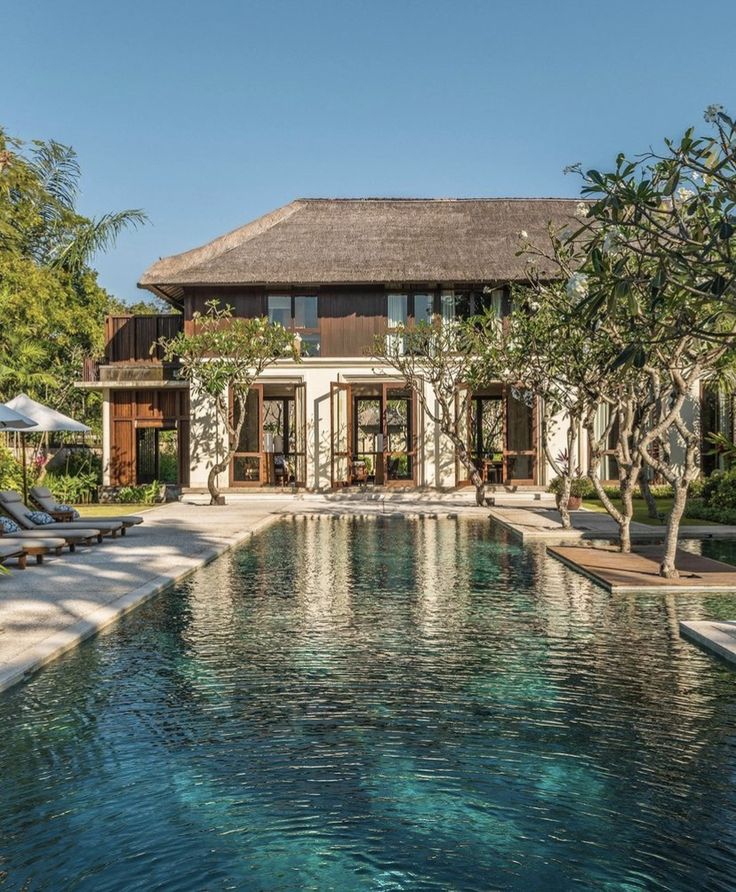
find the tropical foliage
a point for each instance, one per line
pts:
(51, 306)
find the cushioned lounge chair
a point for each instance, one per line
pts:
(43, 497)
(72, 539)
(35, 545)
(13, 551)
(12, 504)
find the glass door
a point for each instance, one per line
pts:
(246, 468)
(399, 424)
(487, 436)
(368, 464)
(300, 434)
(520, 455)
(340, 433)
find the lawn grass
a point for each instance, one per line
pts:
(112, 509)
(664, 506)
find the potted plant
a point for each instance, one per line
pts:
(579, 488)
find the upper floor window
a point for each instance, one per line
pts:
(464, 304)
(298, 314)
(423, 307)
(397, 317)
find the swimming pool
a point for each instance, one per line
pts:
(377, 704)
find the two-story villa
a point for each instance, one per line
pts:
(338, 272)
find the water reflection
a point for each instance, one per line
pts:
(350, 704)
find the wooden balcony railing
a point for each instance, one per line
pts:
(129, 339)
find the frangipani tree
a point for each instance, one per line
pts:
(655, 271)
(222, 358)
(435, 360)
(544, 346)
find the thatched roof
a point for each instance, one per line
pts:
(316, 241)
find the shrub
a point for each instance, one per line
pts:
(579, 486)
(719, 490)
(11, 471)
(146, 494)
(697, 509)
(72, 489)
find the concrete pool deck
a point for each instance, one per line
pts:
(638, 571)
(47, 610)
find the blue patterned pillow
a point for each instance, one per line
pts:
(8, 525)
(40, 517)
(73, 511)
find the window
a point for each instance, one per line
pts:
(447, 304)
(464, 304)
(279, 310)
(305, 312)
(423, 308)
(298, 314)
(397, 316)
(397, 310)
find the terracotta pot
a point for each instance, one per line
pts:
(573, 503)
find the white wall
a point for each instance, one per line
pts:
(436, 454)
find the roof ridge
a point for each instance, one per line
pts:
(377, 198)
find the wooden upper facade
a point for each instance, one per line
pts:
(332, 321)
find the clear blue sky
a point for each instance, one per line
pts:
(207, 115)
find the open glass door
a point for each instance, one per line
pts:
(300, 434)
(340, 433)
(520, 455)
(246, 468)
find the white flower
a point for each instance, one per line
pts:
(610, 241)
(581, 209)
(696, 176)
(577, 287)
(685, 194)
(524, 234)
(712, 112)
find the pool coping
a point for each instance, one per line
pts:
(711, 636)
(57, 644)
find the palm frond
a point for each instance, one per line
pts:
(94, 236)
(57, 169)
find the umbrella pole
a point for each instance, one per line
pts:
(25, 469)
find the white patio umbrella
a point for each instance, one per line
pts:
(43, 418)
(9, 419)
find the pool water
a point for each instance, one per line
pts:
(378, 704)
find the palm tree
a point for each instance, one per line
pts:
(38, 218)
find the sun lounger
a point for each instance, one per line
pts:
(12, 503)
(35, 545)
(42, 497)
(13, 551)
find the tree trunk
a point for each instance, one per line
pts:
(212, 482)
(624, 526)
(667, 568)
(475, 476)
(648, 497)
(563, 504)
